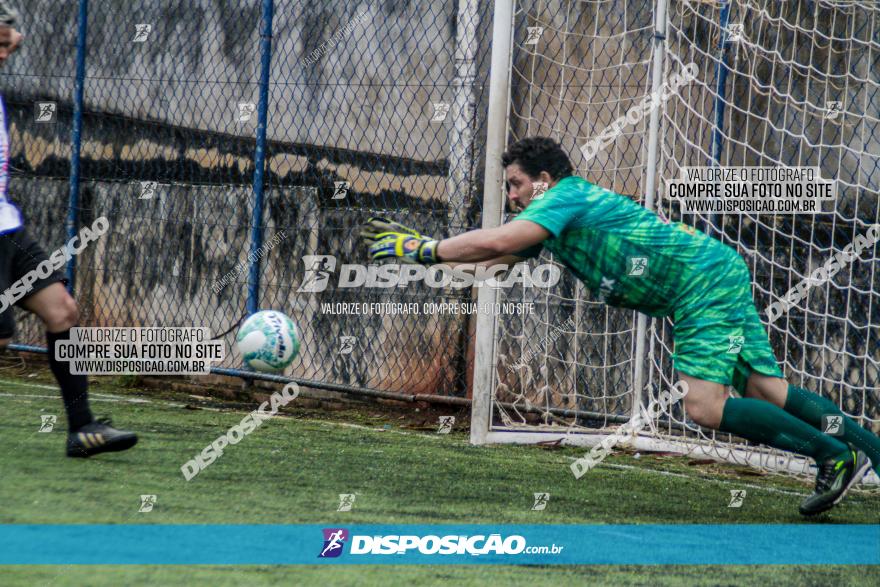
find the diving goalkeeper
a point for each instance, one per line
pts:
(701, 283)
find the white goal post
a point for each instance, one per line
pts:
(792, 83)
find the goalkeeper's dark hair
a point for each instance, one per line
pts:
(537, 154)
(8, 15)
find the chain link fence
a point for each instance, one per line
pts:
(225, 141)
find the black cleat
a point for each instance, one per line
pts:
(98, 437)
(833, 480)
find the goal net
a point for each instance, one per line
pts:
(790, 83)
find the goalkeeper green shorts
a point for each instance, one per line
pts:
(718, 335)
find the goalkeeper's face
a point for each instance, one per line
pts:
(523, 188)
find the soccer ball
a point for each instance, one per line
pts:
(268, 341)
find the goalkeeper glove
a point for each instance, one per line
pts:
(388, 239)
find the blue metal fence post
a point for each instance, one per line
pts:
(260, 158)
(721, 70)
(76, 139)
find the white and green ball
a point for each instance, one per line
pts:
(268, 341)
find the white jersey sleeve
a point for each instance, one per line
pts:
(10, 217)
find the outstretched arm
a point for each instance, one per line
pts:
(489, 243)
(508, 260)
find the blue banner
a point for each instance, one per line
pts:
(738, 544)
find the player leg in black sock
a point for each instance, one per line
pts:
(86, 436)
(74, 388)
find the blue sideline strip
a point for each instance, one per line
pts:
(738, 544)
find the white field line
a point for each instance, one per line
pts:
(121, 399)
(106, 397)
(683, 476)
(55, 388)
(26, 384)
(92, 398)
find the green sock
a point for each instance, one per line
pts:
(810, 407)
(763, 422)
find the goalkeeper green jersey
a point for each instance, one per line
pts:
(624, 253)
